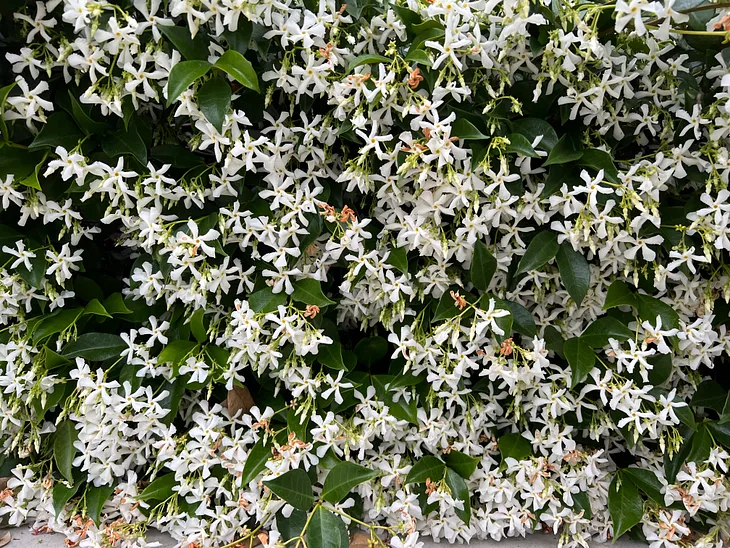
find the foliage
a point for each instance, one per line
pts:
(290, 269)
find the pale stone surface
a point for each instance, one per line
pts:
(24, 538)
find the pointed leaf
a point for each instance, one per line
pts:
(95, 347)
(239, 68)
(462, 464)
(459, 491)
(540, 251)
(619, 294)
(160, 489)
(294, 487)
(326, 530)
(183, 75)
(95, 499)
(255, 462)
(581, 358)
(483, 266)
(342, 478)
(514, 445)
(63, 448)
(566, 150)
(574, 272)
(426, 467)
(309, 291)
(604, 328)
(215, 100)
(624, 505)
(464, 129)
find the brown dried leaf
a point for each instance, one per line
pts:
(239, 398)
(360, 540)
(6, 538)
(3, 483)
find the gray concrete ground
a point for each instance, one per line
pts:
(23, 537)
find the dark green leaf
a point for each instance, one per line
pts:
(215, 100)
(518, 144)
(523, 321)
(574, 272)
(600, 159)
(342, 478)
(95, 499)
(94, 307)
(326, 530)
(197, 327)
(462, 464)
(710, 394)
(673, 465)
(566, 150)
(176, 352)
(464, 129)
(126, 143)
(419, 56)
(367, 59)
(292, 526)
(720, 432)
(59, 130)
(265, 300)
(160, 489)
(330, 355)
(294, 487)
(619, 294)
(4, 92)
(239, 68)
(371, 350)
(95, 347)
(459, 491)
(581, 358)
(114, 304)
(647, 481)
(531, 128)
(604, 328)
(540, 251)
(176, 155)
(701, 445)
(399, 259)
(63, 448)
(427, 467)
(624, 505)
(183, 75)
(256, 462)
(57, 323)
(651, 307)
(514, 446)
(483, 266)
(582, 502)
(190, 48)
(85, 122)
(309, 291)
(62, 494)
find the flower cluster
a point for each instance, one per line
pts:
(285, 270)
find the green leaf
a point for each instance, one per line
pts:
(515, 446)
(197, 327)
(342, 478)
(176, 352)
(256, 462)
(95, 499)
(581, 358)
(95, 308)
(175, 390)
(651, 307)
(419, 56)
(624, 505)
(522, 319)
(239, 68)
(309, 291)
(464, 129)
(95, 347)
(215, 100)
(540, 251)
(427, 467)
(294, 487)
(265, 300)
(62, 494)
(531, 128)
(59, 130)
(240, 39)
(367, 59)
(462, 464)
(63, 448)
(85, 122)
(459, 491)
(330, 355)
(32, 181)
(721, 432)
(183, 75)
(177, 155)
(566, 150)
(673, 465)
(574, 272)
(371, 350)
(126, 143)
(292, 526)
(4, 92)
(701, 445)
(619, 294)
(399, 259)
(647, 481)
(190, 48)
(604, 328)
(483, 266)
(37, 273)
(326, 530)
(710, 394)
(518, 144)
(582, 502)
(600, 159)
(114, 304)
(424, 34)
(160, 489)
(57, 323)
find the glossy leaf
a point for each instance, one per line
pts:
(63, 448)
(604, 328)
(575, 273)
(215, 101)
(541, 250)
(183, 75)
(309, 291)
(581, 359)
(326, 530)
(95, 347)
(342, 478)
(459, 491)
(160, 489)
(427, 467)
(256, 461)
(624, 505)
(293, 487)
(239, 68)
(483, 266)
(461, 463)
(514, 446)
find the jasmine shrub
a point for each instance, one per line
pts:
(284, 270)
